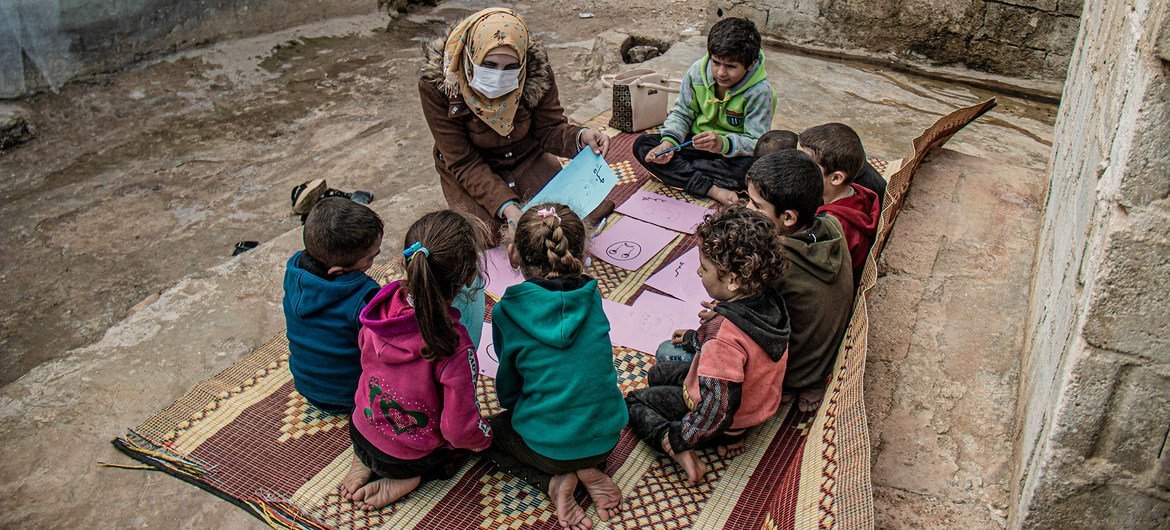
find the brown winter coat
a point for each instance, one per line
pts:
(479, 169)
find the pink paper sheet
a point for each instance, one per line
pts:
(485, 356)
(500, 273)
(651, 320)
(664, 211)
(630, 243)
(680, 279)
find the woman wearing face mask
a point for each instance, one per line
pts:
(489, 97)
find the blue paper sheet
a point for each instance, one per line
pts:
(581, 185)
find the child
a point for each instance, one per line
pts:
(556, 374)
(416, 413)
(837, 149)
(725, 104)
(325, 286)
(817, 287)
(734, 381)
(775, 141)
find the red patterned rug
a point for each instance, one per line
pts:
(247, 436)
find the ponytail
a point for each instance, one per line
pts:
(436, 272)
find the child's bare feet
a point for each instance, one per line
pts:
(569, 513)
(722, 195)
(689, 461)
(606, 494)
(735, 447)
(379, 493)
(357, 477)
(810, 399)
(787, 397)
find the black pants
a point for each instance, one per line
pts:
(654, 408)
(693, 170)
(441, 464)
(514, 456)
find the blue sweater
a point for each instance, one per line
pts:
(322, 320)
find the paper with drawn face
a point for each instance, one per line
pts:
(485, 356)
(500, 274)
(680, 278)
(651, 320)
(630, 243)
(581, 185)
(664, 211)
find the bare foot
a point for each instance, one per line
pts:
(810, 400)
(379, 493)
(357, 477)
(722, 195)
(569, 513)
(787, 397)
(690, 462)
(735, 448)
(606, 494)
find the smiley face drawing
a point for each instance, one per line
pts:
(663, 212)
(623, 250)
(656, 323)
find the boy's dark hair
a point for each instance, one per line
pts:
(734, 39)
(339, 232)
(435, 275)
(789, 180)
(775, 141)
(745, 242)
(550, 246)
(836, 147)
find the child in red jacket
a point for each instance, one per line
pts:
(837, 149)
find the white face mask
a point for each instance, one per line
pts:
(494, 83)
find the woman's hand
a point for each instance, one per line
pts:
(512, 214)
(659, 154)
(708, 141)
(596, 140)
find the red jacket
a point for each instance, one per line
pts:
(859, 215)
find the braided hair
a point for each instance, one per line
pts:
(550, 239)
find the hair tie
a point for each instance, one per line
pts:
(551, 211)
(416, 247)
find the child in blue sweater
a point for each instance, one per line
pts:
(325, 287)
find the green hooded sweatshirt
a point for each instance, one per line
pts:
(817, 287)
(556, 368)
(741, 116)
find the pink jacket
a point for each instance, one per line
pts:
(408, 406)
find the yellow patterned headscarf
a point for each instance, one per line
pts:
(477, 35)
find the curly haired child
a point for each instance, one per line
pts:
(416, 416)
(734, 381)
(556, 374)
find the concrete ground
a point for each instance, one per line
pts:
(119, 293)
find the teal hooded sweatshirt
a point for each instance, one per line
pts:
(556, 370)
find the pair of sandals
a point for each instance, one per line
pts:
(306, 195)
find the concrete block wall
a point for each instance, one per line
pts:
(1093, 430)
(1021, 38)
(46, 43)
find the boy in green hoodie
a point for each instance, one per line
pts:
(724, 105)
(817, 287)
(556, 375)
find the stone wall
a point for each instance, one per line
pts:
(46, 43)
(1019, 38)
(1094, 420)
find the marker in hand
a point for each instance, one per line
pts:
(677, 147)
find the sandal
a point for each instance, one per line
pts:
(306, 195)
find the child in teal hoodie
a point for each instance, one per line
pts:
(556, 374)
(724, 105)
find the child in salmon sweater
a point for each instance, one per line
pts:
(734, 381)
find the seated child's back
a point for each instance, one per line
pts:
(325, 287)
(837, 149)
(817, 286)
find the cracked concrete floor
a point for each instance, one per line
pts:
(141, 182)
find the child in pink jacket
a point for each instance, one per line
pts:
(416, 416)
